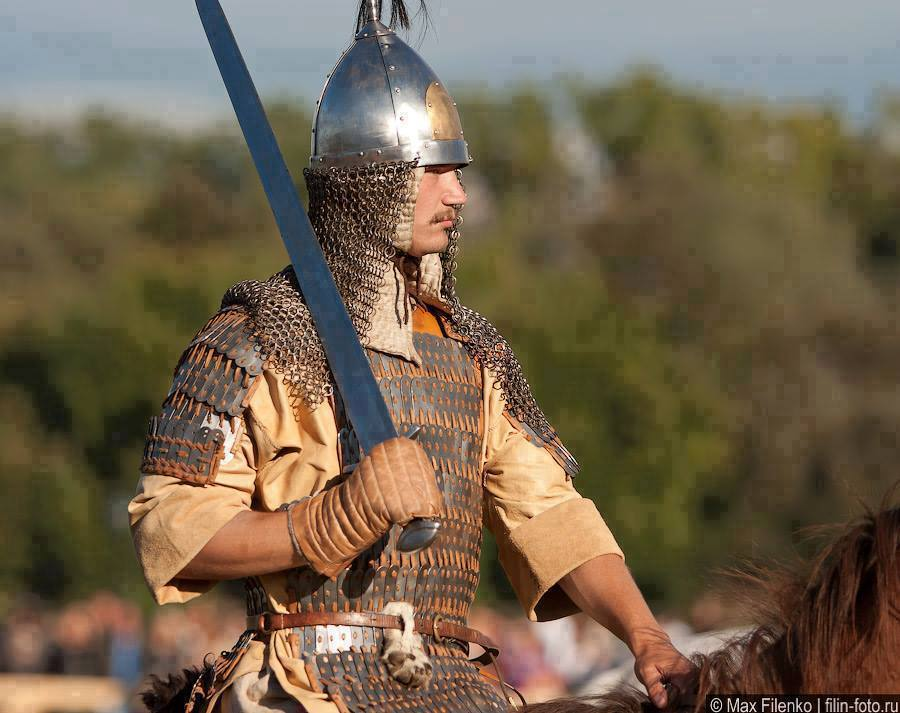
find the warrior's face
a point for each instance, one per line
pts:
(440, 197)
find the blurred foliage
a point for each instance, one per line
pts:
(703, 293)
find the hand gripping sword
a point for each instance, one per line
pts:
(362, 398)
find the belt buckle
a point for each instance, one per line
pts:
(265, 623)
(435, 622)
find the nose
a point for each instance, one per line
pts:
(453, 193)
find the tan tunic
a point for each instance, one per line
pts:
(543, 527)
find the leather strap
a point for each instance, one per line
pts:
(436, 626)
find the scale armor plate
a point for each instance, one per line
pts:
(213, 381)
(357, 681)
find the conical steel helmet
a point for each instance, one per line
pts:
(382, 102)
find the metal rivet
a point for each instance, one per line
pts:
(397, 90)
(437, 84)
(392, 68)
(362, 153)
(435, 132)
(426, 145)
(365, 34)
(454, 103)
(321, 160)
(430, 105)
(379, 152)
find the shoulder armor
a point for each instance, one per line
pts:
(550, 441)
(220, 365)
(213, 382)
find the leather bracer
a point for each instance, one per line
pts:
(392, 485)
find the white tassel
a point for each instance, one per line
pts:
(404, 652)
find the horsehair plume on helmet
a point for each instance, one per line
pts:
(370, 10)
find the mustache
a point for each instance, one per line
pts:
(441, 217)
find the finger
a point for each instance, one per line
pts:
(653, 681)
(658, 694)
(678, 678)
(674, 692)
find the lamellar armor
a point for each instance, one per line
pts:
(442, 397)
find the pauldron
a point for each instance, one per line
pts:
(200, 417)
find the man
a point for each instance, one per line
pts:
(252, 469)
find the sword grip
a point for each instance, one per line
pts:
(421, 532)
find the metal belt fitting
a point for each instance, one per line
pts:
(336, 624)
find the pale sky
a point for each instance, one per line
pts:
(152, 58)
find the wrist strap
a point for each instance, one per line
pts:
(288, 508)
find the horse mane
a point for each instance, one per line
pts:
(831, 624)
(172, 694)
(823, 627)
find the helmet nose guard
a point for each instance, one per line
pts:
(383, 103)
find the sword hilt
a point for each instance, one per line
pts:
(421, 532)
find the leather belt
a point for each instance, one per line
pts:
(436, 626)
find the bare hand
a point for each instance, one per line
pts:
(661, 668)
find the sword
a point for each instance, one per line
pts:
(362, 398)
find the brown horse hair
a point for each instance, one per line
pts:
(174, 693)
(831, 626)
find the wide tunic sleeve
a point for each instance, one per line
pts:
(171, 520)
(543, 527)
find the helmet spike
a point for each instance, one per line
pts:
(370, 11)
(373, 8)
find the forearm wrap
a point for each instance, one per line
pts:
(392, 485)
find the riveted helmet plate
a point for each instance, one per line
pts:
(445, 123)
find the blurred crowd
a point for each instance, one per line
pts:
(108, 636)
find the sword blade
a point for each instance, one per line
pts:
(364, 403)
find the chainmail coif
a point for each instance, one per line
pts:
(355, 212)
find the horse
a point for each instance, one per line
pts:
(829, 625)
